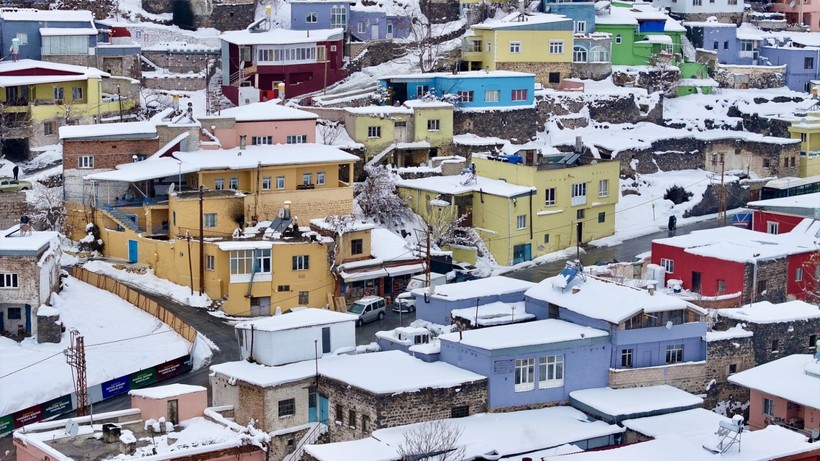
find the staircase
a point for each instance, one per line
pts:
(310, 437)
(378, 157)
(482, 249)
(121, 218)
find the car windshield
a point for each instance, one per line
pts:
(356, 308)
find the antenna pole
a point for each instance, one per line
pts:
(722, 195)
(427, 270)
(201, 241)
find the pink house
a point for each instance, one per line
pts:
(805, 12)
(259, 123)
(145, 430)
(784, 392)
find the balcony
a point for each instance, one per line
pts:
(578, 200)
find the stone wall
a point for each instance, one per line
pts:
(792, 337)
(726, 18)
(125, 66)
(724, 358)
(284, 443)
(541, 70)
(591, 70)
(766, 126)
(756, 76)
(181, 60)
(518, 125)
(12, 206)
(736, 196)
(774, 273)
(49, 329)
(391, 410)
(690, 377)
(440, 12)
(373, 53)
(614, 109)
(180, 82)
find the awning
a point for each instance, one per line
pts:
(396, 271)
(66, 31)
(363, 275)
(664, 39)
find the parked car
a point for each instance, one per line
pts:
(8, 184)
(368, 309)
(606, 262)
(405, 302)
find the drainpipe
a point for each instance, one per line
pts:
(509, 229)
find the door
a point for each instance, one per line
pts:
(324, 413)
(400, 131)
(28, 319)
(133, 251)
(696, 282)
(367, 313)
(173, 414)
(389, 30)
(313, 408)
(522, 253)
(325, 340)
(260, 306)
(374, 32)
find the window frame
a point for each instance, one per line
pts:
(496, 96)
(518, 95)
(603, 188)
(311, 17)
(768, 407)
(210, 263)
(209, 220)
(9, 280)
(85, 162)
(668, 265)
(556, 47)
(374, 132)
(521, 222)
(300, 263)
(287, 408)
(551, 365)
(356, 246)
(524, 374)
(515, 47)
(321, 178)
(280, 183)
(628, 358)
(433, 124)
(549, 196)
(674, 354)
(267, 182)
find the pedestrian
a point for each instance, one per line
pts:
(16, 171)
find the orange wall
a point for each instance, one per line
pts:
(280, 130)
(189, 405)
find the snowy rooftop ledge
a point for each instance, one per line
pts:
(618, 404)
(767, 312)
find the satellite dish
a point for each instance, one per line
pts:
(72, 428)
(281, 212)
(669, 325)
(171, 189)
(815, 433)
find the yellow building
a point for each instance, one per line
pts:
(47, 95)
(407, 135)
(807, 130)
(249, 209)
(526, 210)
(536, 43)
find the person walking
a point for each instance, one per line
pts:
(16, 171)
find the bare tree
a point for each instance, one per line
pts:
(447, 228)
(424, 46)
(811, 278)
(329, 131)
(15, 122)
(378, 199)
(663, 76)
(339, 224)
(433, 441)
(48, 212)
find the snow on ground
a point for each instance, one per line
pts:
(119, 339)
(151, 283)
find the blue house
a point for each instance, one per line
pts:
(44, 33)
(799, 54)
(467, 90)
(581, 12)
(363, 23)
(437, 307)
(731, 44)
(646, 328)
(531, 363)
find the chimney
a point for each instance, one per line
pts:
(286, 210)
(268, 16)
(579, 145)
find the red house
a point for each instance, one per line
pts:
(729, 266)
(781, 215)
(260, 62)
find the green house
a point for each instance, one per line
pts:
(640, 32)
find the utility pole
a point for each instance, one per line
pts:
(722, 195)
(579, 226)
(427, 269)
(201, 241)
(119, 100)
(75, 357)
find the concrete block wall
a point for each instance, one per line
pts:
(690, 377)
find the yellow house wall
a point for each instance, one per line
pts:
(43, 106)
(809, 166)
(345, 243)
(444, 135)
(534, 46)
(357, 125)
(184, 214)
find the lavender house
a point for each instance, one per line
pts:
(534, 363)
(800, 54)
(362, 23)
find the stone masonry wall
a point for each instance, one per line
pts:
(690, 377)
(614, 109)
(373, 53)
(179, 82)
(180, 61)
(792, 337)
(736, 196)
(391, 410)
(518, 125)
(594, 71)
(12, 206)
(261, 404)
(49, 329)
(541, 70)
(756, 76)
(774, 273)
(724, 358)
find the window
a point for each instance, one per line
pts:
(233, 183)
(8, 280)
(808, 62)
(22, 38)
(77, 93)
(489, 47)
(365, 423)
(579, 194)
(59, 93)
(521, 221)
(338, 16)
(356, 246)
(549, 196)
(554, 77)
(551, 371)
(492, 95)
(210, 219)
(85, 161)
(602, 217)
(14, 313)
(732, 368)
(556, 46)
(515, 47)
(219, 183)
(603, 188)
(768, 407)
(461, 411)
(307, 179)
(697, 2)
(798, 274)
(362, 27)
(65, 45)
(721, 286)
(389, 30)
(465, 96)
(320, 178)
(519, 95)
(374, 132)
(599, 54)
(304, 297)
(296, 139)
(524, 375)
(49, 128)
(812, 342)
(250, 261)
(766, 163)
(580, 27)
(422, 90)
(772, 227)
(283, 288)
(266, 183)
(340, 415)
(775, 345)
(579, 54)
(301, 263)
(618, 39)
(311, 17)
(761, 287)
(546, 238)
(626, 358)
(674, 353)
(287, 408)
(280, 182)
(210, 262)
(668, 264)
(433, 125)
(290, 53)
(715, 45)
(579, 213)
(725, 45)
(261, 140)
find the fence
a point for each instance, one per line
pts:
(138, 299)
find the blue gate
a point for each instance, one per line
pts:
(522, 253)
(133, 251)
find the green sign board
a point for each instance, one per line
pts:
(6, 424)
(143, 378)
(57, 406)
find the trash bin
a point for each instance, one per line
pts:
(673, 223)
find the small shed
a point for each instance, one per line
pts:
(174, 402)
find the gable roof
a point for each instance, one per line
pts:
(524, 21)
(281, 36)
(33, 72)
(297, 318)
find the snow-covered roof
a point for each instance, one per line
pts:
(379, 110)
(736, 331)
(297, 318)
(600, 299)
(458, 76)
(662, 39)
(264, 111)
(385, 247)
(808, 201)
(390, 372)
(548, 331)
(490, 286)
(368, 449)
(635, 400)
(637, 13)
(464, 184)
(422, 104)
(65, 72)
(695, 424)
(14, 244)
(744, 245)
(164, 392)
(795, 378)
(516, 20)
(351, 226)
(281, 36)
(112, 130)
(232, 159)
(767, 312)
(30, 14)
(491, 314)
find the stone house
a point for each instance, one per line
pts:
(728, 351)
(29, 273)
(352, 394)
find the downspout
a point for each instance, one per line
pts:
(532, 223)
(509, 231)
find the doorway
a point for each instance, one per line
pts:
(696, 282)
(173, 411)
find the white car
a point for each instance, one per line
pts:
(405, 302)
